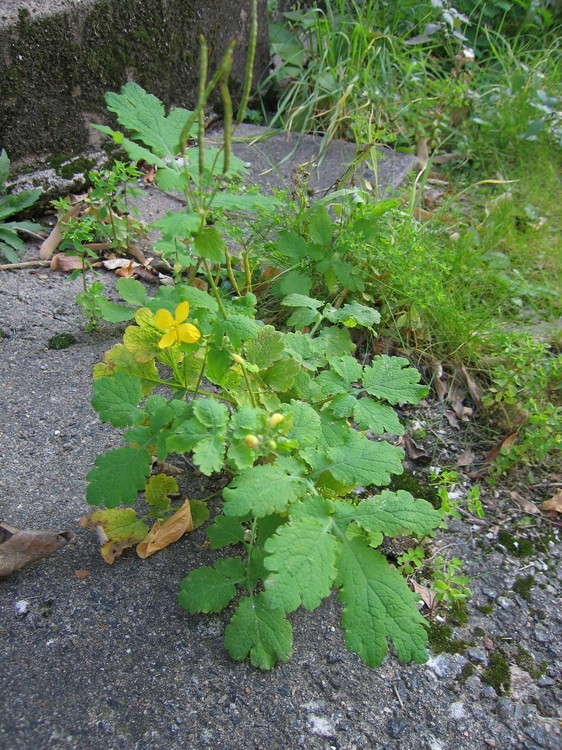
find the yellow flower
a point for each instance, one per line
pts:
(175, 328)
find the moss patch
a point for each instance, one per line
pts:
(486, 609)
(523, 586)
(517, 546)
(527, 662)
(440, 640)
(458, 612)
(410, 483)
(497, 674)
(61, 341)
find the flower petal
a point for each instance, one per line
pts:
(182, 311)
(168, 339)
(164, 319)
(188, 333)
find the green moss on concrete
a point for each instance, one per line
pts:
(497, 674)
(518, 546)
(416, 487)
(486, 609)
(523, 586)
(527, 662)
(440, 639)
(61, 341)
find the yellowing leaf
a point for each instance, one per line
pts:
(163, 534)
(118, 529)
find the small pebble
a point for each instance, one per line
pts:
(22, 607)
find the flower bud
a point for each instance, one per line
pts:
(275, 419)
(272, 445)
(238, 359)
(252, 441)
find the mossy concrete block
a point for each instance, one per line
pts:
(59, 57)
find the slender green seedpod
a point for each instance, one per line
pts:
(252, 43)
(227, 114)
(226, 64)
(203, 64)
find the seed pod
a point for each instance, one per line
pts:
(252, 441)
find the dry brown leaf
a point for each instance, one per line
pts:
(472, 387)
(507, 443)
(164, 467)
(554, 505)
(127, 271)
(422, 214)
(55, 238)
(439, 381)
(113, 264)
(19, 548)
(200, 284)
(413, 450)
(161, 535)
(65, 263)
(452, 419)
(81, 574)
(526, 505)
(466, 458)
(428, 597)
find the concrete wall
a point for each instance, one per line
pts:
(59, 57)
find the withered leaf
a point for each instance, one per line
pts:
(161, 535)
(472, 387)
(526, 505)
(19, 548)
(55, 238)
(413, 450)
(65, 263)
(427, 595)
(554, 505)
(466, 457)
(505, 443)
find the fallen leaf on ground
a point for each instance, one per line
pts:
(161, 535)
(472, 387)
(413, 450)
(117, 529)
(55, 238)
(439, 381)
(452, 419)
(65, 263)
(526, 505)
(164, 467)
(506, 444)
(554, 505)
(81, 573)
(113, 263)
(428, 597)
(466, 458)
(19, 548)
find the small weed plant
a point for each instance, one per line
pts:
(294, 425)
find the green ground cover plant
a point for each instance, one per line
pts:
(476, 282)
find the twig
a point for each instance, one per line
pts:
(398, 696)
(25, 264)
